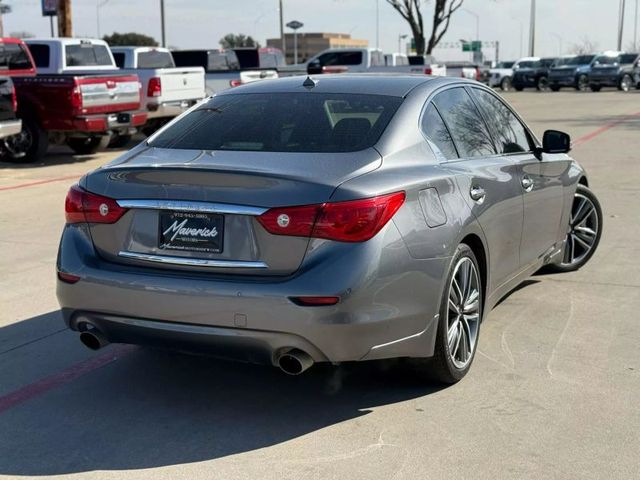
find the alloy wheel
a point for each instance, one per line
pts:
(463, 313)
(18, 145)
(625, 83)
(583, 230)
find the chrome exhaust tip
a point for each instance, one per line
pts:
(93, 339)
(294, 362)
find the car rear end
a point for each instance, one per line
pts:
(231, 236)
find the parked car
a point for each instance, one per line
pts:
(9, 123)
(167, 90)
(77, 98)
(222, 68)
(364, 220)
(572, 73)
(501, 75)
(635, 73)
(533, 74)
(613, 70)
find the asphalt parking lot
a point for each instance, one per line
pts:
(553, 392)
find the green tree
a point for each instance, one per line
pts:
(231, 40)
(130, 39)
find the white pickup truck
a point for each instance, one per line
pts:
(357, 60)
(167, 90)
(222, 68)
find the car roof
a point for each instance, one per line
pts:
(396, 85)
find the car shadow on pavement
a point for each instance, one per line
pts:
(152, 408)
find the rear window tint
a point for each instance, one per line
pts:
(283, 122)
(40, 54)
(118, 57)
(155, 59)
(87, 54)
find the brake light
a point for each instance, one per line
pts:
(350, 221)
(76, 98)
(235, 83)
(154, 88)
(81, 206)
(478, 75)
(428, 71)
(14, 98)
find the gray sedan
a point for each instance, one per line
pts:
(340, 219)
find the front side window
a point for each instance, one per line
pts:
(436, 132)
(510, 134)
(283, 122)
(87, 54)
(468, 130)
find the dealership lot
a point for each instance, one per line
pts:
(552, 394)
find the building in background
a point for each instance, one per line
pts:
(311, 43)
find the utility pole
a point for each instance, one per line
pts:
(163, 33)
(620, 24)
(4, 9)
(377, 24)
(283, 45)
(532, 29)
(65, 26)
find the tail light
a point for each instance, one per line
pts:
(235, 83)
(314, 301)
(76, 98)
(14, 98)
(154, 88)
(351, 221)
(478, 74)
(81, 206)
(428, 70)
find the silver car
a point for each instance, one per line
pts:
(341, 219)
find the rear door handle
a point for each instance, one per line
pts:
(527, 183)
(477, 194)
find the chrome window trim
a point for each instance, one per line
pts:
(191, 262)
(188, 206)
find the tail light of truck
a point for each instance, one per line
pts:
(428, 70)
(76, 98)
(235, 83)
(478, 74)
(350, 221)
(81, 206)
(14, 98)
(154, 88)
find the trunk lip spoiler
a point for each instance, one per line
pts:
(192, 262)
(192, 206)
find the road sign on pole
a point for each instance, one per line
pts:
(295, 25)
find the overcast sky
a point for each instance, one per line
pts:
(201, 23)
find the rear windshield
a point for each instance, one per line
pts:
(580, 60)
(283, 122)
(505, 64)
(155, 59)
(13, 57)
(87, 54)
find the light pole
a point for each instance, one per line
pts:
(99, 5)
(295, 25)
(377, 24)
(620, 24)
(162, 28)
(559, 42)
(635, 29)
(283, 46)
(532, 29)
(400, 38)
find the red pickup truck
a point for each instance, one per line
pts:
(80, 103)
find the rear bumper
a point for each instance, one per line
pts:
(103, 123)
(388, 308)
(169, 109)
(10, 127)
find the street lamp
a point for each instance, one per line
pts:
(295, 25)
(532, 29)
(400, 38)
(99, 5)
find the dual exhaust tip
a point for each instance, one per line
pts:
(292, 362)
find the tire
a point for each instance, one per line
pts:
(595, 88)
(505, 84)
(120, 141)
(582, 83)
(542, 85)
(28, 146)
(442, 366)
(626, 83)
(574, 253)
(554, 88)
(88, 145)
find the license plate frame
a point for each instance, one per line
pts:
(191, 231)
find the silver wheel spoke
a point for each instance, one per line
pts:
(584, 215)
(578, 211)
(458, 338)
(472, 302)
(584, 244)
(452, 334)
(586, 231)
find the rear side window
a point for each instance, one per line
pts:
(87, 54)
(437, 133)
(340, 58)
(40, 54)
(155, 59)
(226, 60)
(283, 122)
(118, 57)
(13, 57)
(468, 130)
(190, 59)
(510, 134)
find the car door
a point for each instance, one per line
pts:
(489, 182)
(539, 178)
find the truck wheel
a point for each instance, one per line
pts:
(519, 88)
(542, 85)
(625, 83)
(120, 141)
(582, 83)
(28, 146)
(88, 145)
(505, 84)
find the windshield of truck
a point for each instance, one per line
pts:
(155, 59)
(87, 55)
(283, 122)
(606, 60)
(581, 60)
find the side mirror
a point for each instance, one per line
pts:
(314, 68)
(554, 141)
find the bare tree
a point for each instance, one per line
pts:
(583, 47)
(410, 11)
